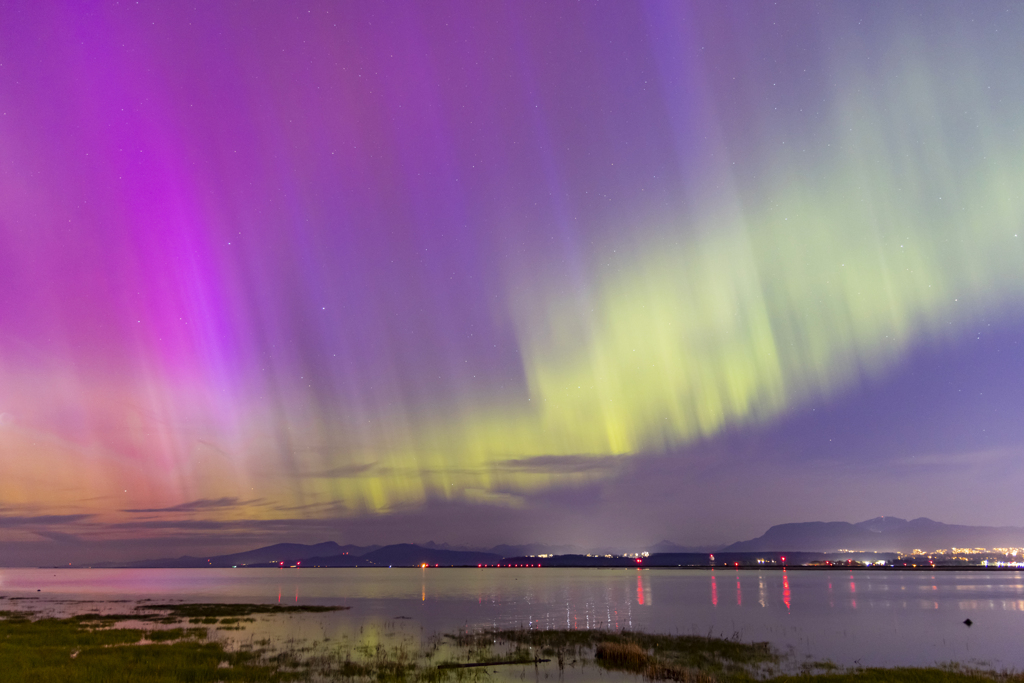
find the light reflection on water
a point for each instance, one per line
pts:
(871, 618)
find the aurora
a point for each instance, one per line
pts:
(335, 265)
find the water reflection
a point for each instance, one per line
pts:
(280, 592)
(895, 617)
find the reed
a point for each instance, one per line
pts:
(624, 656)
(90, 648)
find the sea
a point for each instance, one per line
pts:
(849, 617)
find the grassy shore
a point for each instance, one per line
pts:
(173, 642)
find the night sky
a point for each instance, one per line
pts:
(599, 273)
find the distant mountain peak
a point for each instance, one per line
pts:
(882, 524)
(883, 534)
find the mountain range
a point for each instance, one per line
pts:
(331, 554)
(881, 534)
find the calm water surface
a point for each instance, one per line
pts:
(870, 618)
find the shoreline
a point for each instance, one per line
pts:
(791, 567)
(187, 641)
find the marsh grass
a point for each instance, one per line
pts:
(624, 656)
(93, 647)
(172, 634)
(943, 674)
(655, 657)
(706, 659)
(74, 651)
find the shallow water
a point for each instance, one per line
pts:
(870, 618)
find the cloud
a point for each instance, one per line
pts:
(485, 497)
(562, 464)
(12, 521)
(315, 510)
(237, 524)
(59, 536)
(344, 471)
(205, 524)
(201, 504)
(971, 458)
